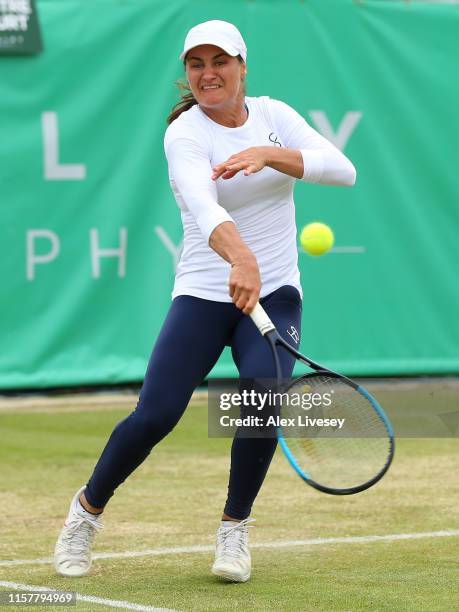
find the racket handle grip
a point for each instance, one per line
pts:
(261, 319)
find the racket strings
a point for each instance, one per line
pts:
(349, 446)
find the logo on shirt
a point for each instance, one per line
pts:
(294, 335)
(273, 138)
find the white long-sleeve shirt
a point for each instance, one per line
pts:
(261, 204)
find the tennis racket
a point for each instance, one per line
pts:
(340, 460)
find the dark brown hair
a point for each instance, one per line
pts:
(187, 99)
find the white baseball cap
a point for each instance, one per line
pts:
(219, 33)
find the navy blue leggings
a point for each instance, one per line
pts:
(191, 340)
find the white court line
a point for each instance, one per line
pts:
(177, 550)
(113, 603)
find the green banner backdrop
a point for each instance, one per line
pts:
(90, 231)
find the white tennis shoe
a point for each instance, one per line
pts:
(232, 555)
(72, 555)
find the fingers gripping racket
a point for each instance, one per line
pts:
(339, 459)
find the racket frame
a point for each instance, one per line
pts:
(274, 339)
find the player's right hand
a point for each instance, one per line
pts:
(245, 284)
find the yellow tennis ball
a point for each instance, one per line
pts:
(316, 238)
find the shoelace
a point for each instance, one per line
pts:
(234, 538)
(80, 533)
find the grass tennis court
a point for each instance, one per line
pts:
(175, 498)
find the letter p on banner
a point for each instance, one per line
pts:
(32, 258)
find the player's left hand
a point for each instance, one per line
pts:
(250, 161)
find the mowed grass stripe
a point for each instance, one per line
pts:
(179, 550)
(79, 402)
(412, 575)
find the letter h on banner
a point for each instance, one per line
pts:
(97, 253)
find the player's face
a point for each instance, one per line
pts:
(215, 78)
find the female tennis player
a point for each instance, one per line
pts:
(233, 161)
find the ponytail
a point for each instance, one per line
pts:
(185, 103)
